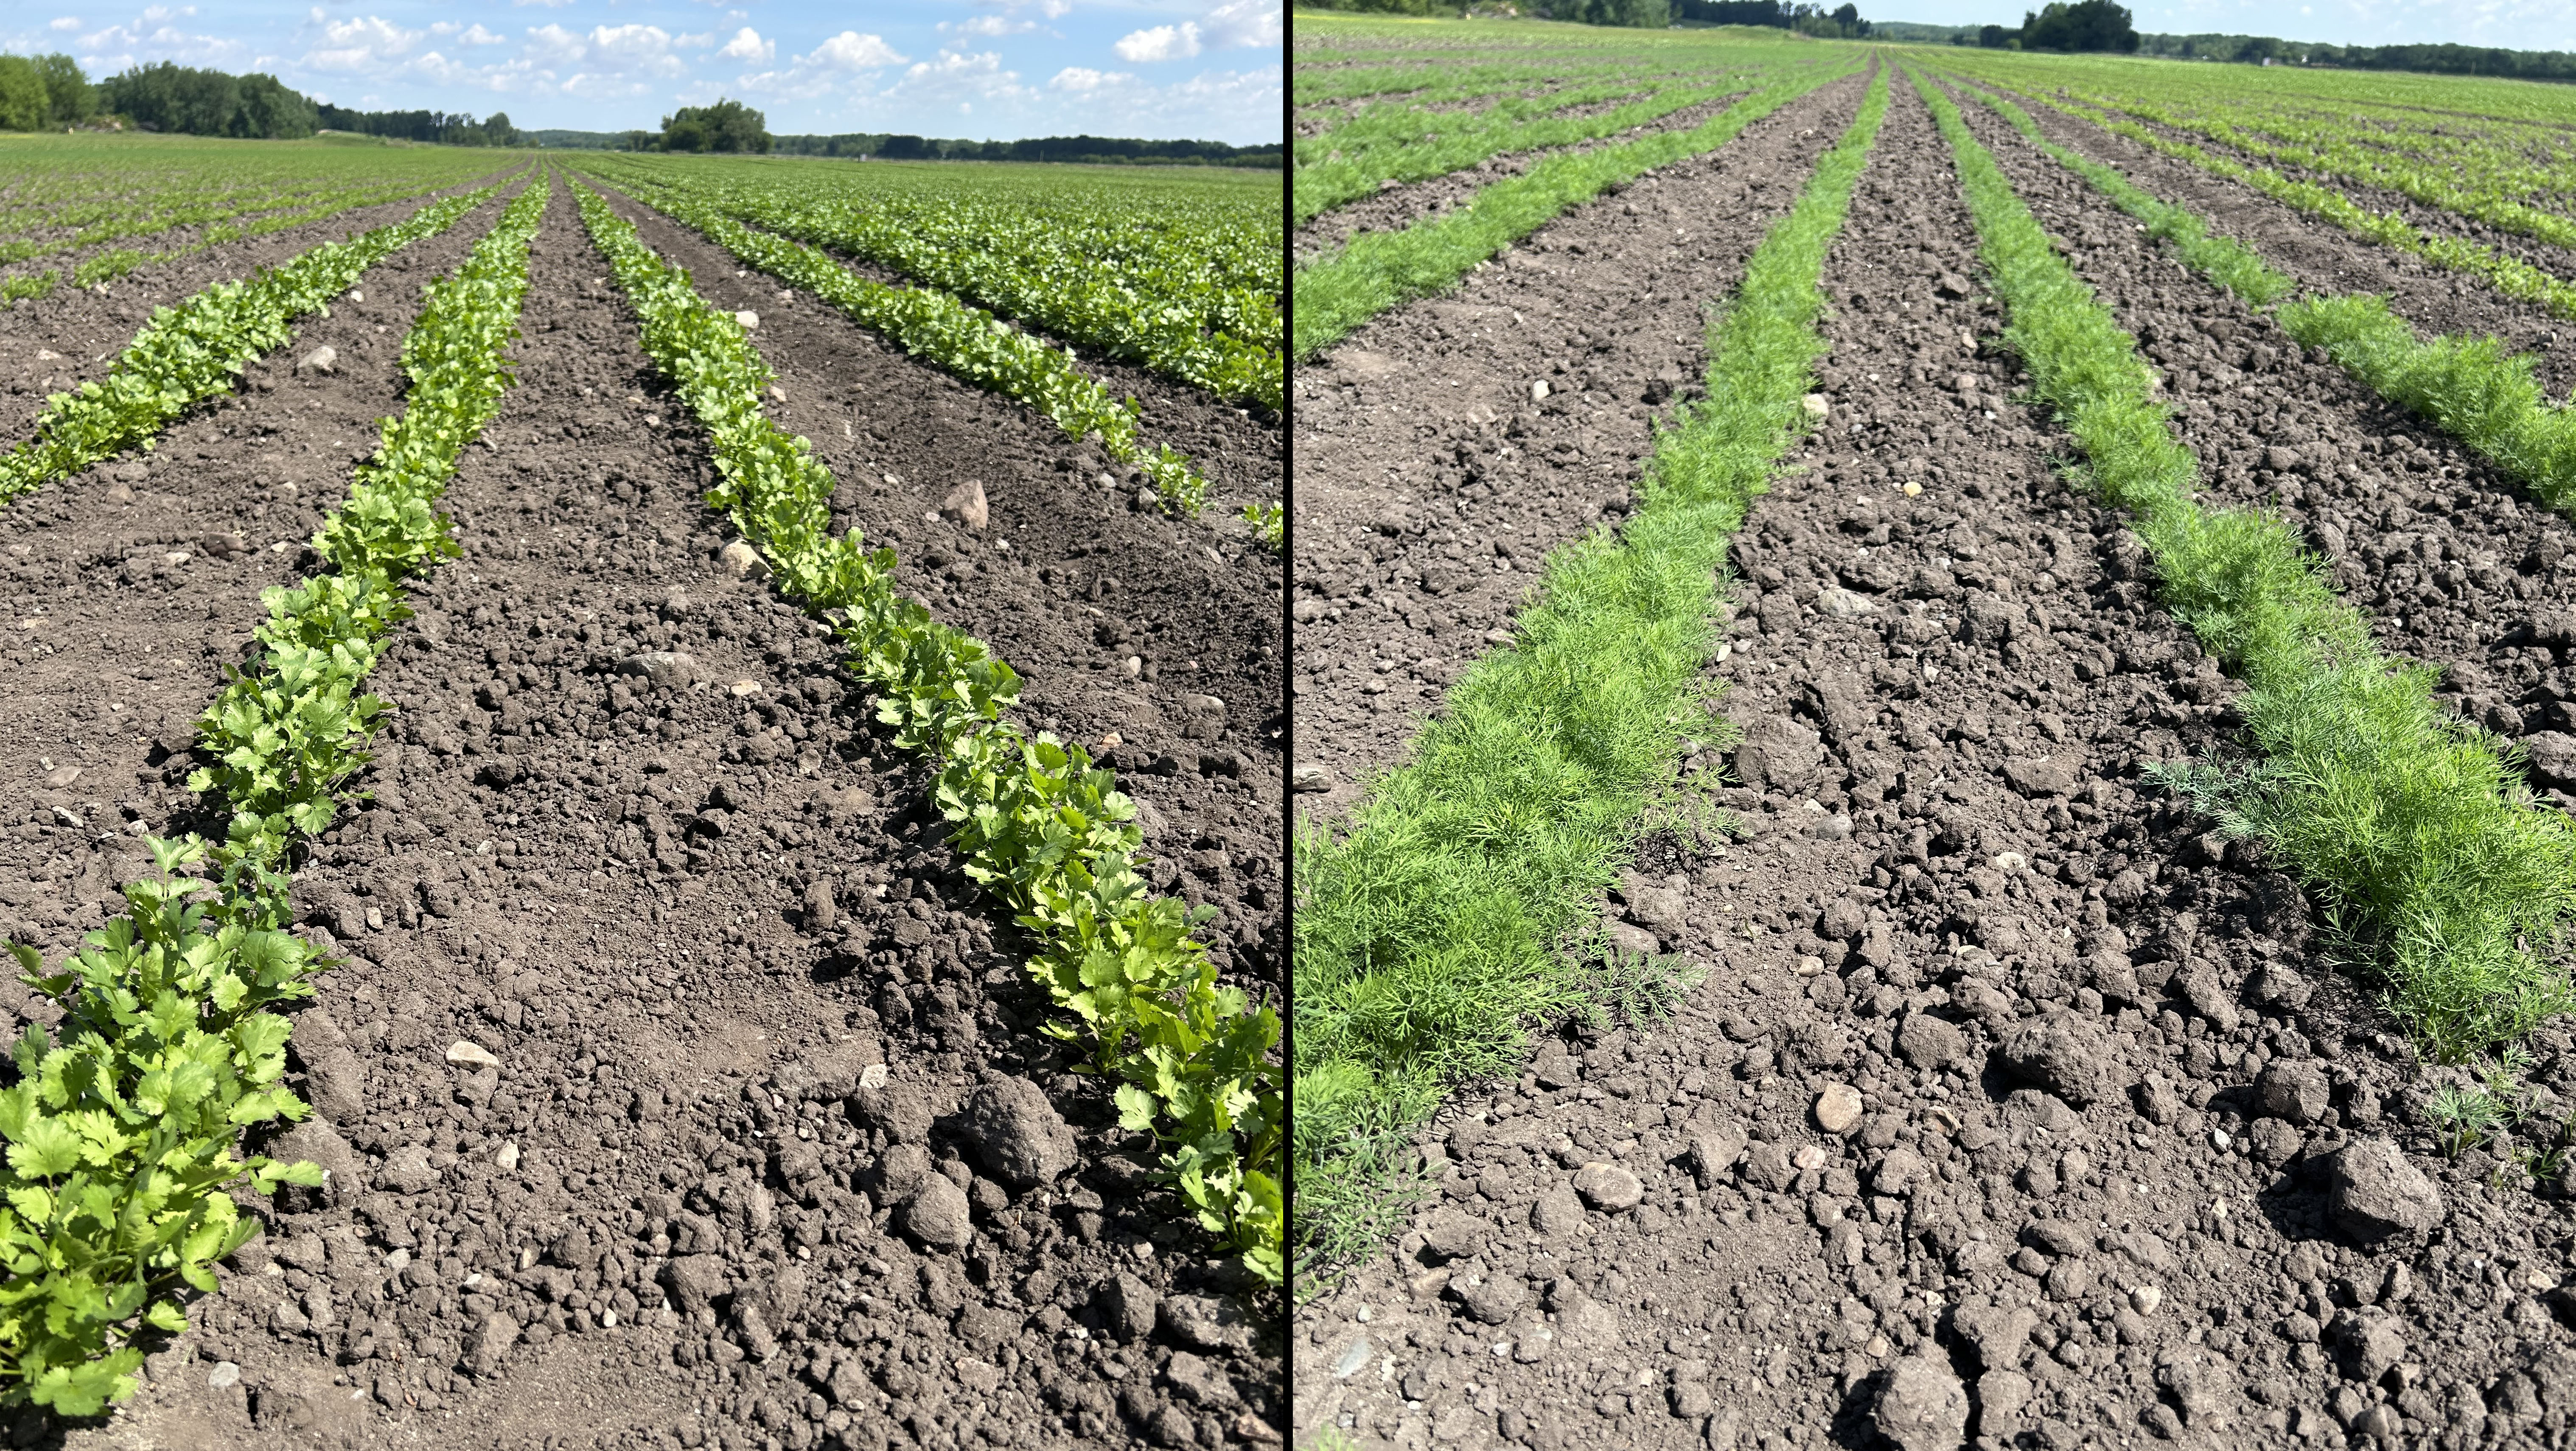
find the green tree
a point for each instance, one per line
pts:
(2085, 25)
(264, 108)
(22, 95)
(68, 98)
(724, 126)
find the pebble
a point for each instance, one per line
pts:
(1607, 1187)
(224, 1374)
(2145, 1298)
(938, 1214)
(1838, 1108)
(965, 505)
(2377, 1191)
(508, 1158)
(747, 319)
(741, 560)
(1923, 1407)
(1311, 778)
(321, 360)
(1538, 390)
(465, 1051)
(661, 667)
(743, 689)
(1812, 1156)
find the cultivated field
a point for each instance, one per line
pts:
(1935, 733)
(641, 829)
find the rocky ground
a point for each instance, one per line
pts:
(2016, 1108)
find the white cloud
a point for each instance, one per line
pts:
(1163, 42)
(470, 34)
(747, 46)
(827, 67)
(549, 4)
(988, 25)
(851, 51)
(150, 37)
(1083, 80)
(365, 44)
(65, 22)
(956, 73)
(1243, 22)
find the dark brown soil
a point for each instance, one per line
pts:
(88, 329)
(1952, 860)
(1430, 485)
(2323, 257)
(685, 921)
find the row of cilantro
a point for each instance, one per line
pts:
(1338, 292)
(961, 339)
(2508, 275)
(2409, 825)
(124, 1121)
(2440, 179)
(2470, 387)
(1184, 283)
(193, 351)
(1037, 825)
(1430, 939)
(277, 216)
(1406, 143)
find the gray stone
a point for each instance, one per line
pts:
(407, 1170)
(2065, 1056)
(2054, 776)
(1607, 1187)
(1898, 1173)
(938, 1214)
(1843, 604)
(694, 1281)
(2297, 1092)
(1778, 752)
(964, 505)
(2552, 757)
(2376, 1191)
(1841, 920)
(1998, 1335)
(2001, 1397)
(1200, 1380)
(667, 668)
(489, 1344)
(1129, 1305)
(2200, 987)
(1662, 910)
(1018, 1133)
(1922, 1407)
(324, 359)
(1930, 1043)
(1491, 1298)
(1455, 1235)
(1204, 1322)
(1557, 1213)
(741, 560)
(1713, 1153)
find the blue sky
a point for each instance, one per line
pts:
(2512, 24)
(982, 69)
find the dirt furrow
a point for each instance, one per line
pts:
(1431, 483)
(2456, 564)
(133, 585)
(2322, 257)
(87, 329)
(1970, 1087)
(1068, 580)
(743, 1008)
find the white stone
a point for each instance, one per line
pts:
(466, 1052)
(748, 319)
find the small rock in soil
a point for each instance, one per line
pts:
(1607, 1187)
(2377, 1192)
(1838, 1108)
(742, 561)
(1922, 1407)
(1129, 1306)
(964, 505)
(938, 1215)
(1018, 1132)
(474, 1054)
(2062, 1055)
(320, 360)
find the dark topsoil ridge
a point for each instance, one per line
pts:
(2106, 1079)
(1431, 485)
(691, 922)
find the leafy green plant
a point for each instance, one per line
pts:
(1270, 523)
(196, 350)
(122, 1123)
(1037, 824)
(964, 340)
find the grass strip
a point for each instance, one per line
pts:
(2508, 275)
(1431, 937)
(1377, 270)
(196, 350)
(1036, 824)
(958, 337)
(115, 1195)
(2415, 829)
(2473, 388)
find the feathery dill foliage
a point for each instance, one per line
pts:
(2471, 388)
(2413, 827)
(1378, 270)
(1431, 938)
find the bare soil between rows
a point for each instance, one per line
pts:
(2106, 1074)
(693, 922)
